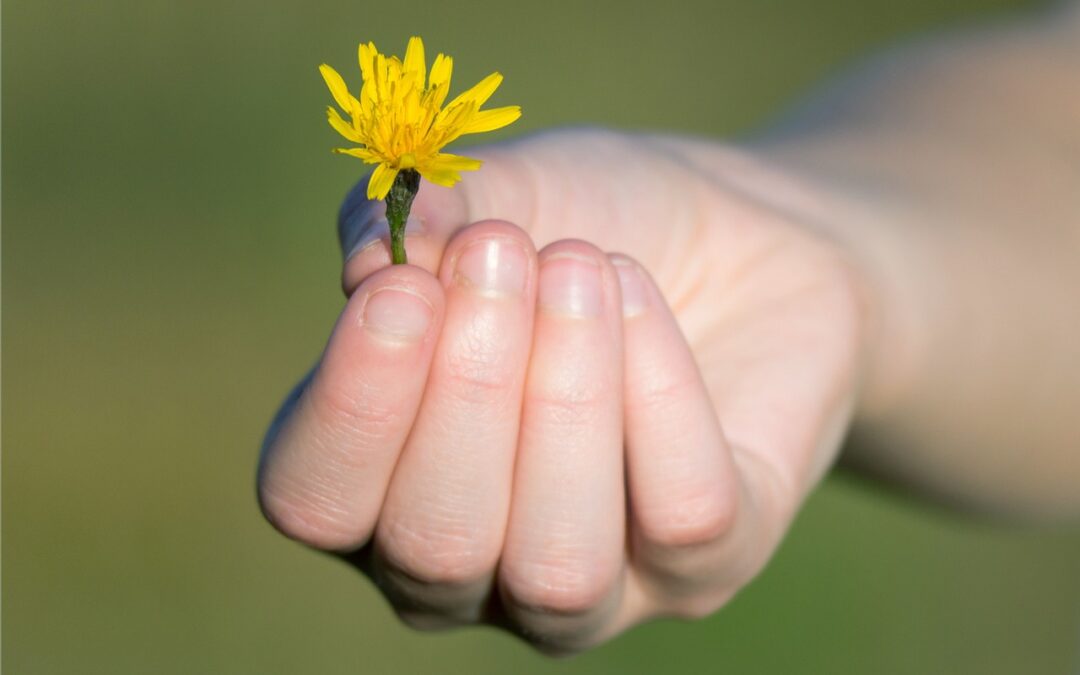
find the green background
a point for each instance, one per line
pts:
(169, 269)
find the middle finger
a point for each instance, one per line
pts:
(562, 564)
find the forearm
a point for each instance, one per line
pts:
(951, 170)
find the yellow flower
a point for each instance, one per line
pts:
(401, 122)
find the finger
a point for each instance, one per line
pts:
(503, 189)
(561, 569)
(364, 233)
(781, 382)
(441, 530)
(325, 470)
(681, 478)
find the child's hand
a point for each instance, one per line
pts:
(569, 442)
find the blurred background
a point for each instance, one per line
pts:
(170, 268)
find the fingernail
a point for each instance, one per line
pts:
(378, 228)
(494, 266)
(634, 297)
(397, 315)
(570, 285)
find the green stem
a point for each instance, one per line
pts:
(398, 204)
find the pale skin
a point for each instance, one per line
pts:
(617, 365)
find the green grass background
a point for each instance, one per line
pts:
(169, 269)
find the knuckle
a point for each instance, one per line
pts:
(434, 556)
(319, 522)
(358, 410)
(556, 588)
(567, 402)
(689, 521)
(572, 391)
(478, 371)
(553, 413)
(665, 391)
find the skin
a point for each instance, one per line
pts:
(617, 364)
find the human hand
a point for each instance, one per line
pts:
(567, 443)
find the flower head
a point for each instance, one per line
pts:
(399, 118)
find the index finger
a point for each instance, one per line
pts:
(326, 466)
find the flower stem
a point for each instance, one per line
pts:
(398, 204)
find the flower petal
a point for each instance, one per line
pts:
(400, 120)
(450, 123)
(446, 161)
(444, 177)
(394, 71)
(338, 89)
(368, 156)
(440, 71)
(382, 178)
(490, 120)
(443, 168)
(480, 92)
(367, 61)
(341, 126)
(414, 59)
(381, 82)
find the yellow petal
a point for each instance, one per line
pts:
(406, 85)
(489, 120)
(338, 89)
(480, 92)
(445, 161)
(450, 123)
(445, 177)
(381, 179)
(410, 107)
(368, 156)
(400, 120)
(341, 126)
(414, 58)
(455, 116)
(382, 87)
(434, 96)
(440, 71)
(367, 61)
(394, 69)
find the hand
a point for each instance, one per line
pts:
(569, 442)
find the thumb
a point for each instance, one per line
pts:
(437, 213)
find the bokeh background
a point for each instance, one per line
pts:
(169, 269)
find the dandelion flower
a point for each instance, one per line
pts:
(401, 124)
